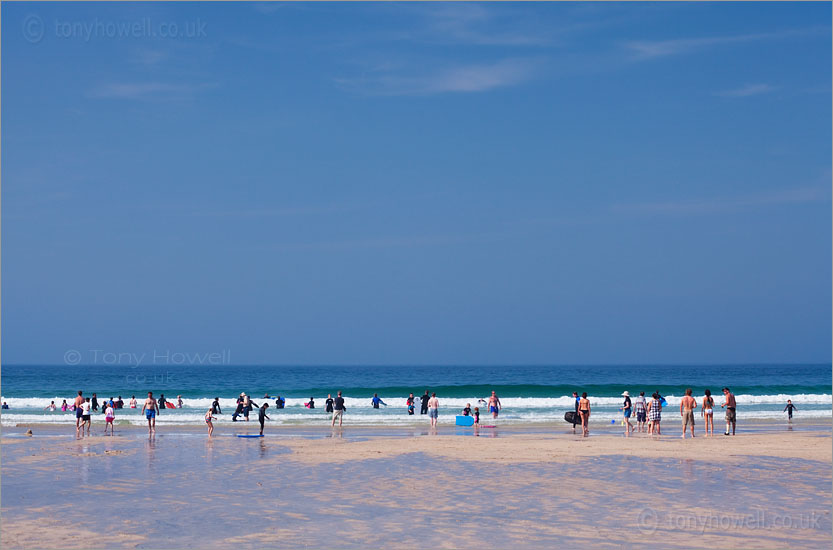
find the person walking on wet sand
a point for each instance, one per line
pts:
(731, 410)
(150, 409)
(654, 414)
(79, 402)
(577, 416)
(209, 416)
(708, 412)
(433, 409)
(627, 407)
(584, 411)
(687, 406)
(109, 419)
(338, 409)
(85, 415)
(261, 415)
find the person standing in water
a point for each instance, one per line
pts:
(410, 404)
(338, 409)
(494, 405)
(433, 409)
(376, 401)
(788, 409)
(328, 404)
(687, 406)
(149, 409)
(215, 407)
(707, 412)
(424, 406)
(261, 416)
(133, 402)
(731, 410)
(95, 402)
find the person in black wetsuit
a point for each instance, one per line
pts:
(576, 418)
(280, 402)
(424, 408)
(120, 403)
(215, 407)
(261, 415)
(239, 410)
(790, 408)
(161, 402)
(95, 402)
(467, 410)
(328, 404)
(311, 404)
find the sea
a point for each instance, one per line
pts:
(529, 394)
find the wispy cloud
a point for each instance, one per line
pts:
(650, 49)
(146, 91)
(796, 195)
(268, 7)
(746, 91)
(460, 78)
(147, 57)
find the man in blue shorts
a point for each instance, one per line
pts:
(150, 408)
(494, 405)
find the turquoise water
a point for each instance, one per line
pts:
(528, 393)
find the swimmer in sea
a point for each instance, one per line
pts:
(215, 407)
(376, 400)
(133, 402)
(51, 408)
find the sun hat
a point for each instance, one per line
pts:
(626, 394)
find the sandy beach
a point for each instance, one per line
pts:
(365, 487)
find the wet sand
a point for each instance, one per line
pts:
(382, 487)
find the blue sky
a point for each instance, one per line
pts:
(418, 183)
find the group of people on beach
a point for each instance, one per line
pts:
(649, 413)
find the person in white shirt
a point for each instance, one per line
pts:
(85, 415)
(109, 417)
